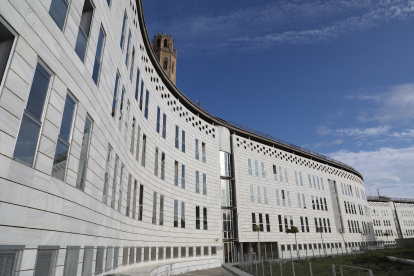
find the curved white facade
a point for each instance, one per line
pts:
(79, 83)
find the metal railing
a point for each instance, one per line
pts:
(268, 136)
(390, 198)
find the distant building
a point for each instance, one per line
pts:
(163, 46)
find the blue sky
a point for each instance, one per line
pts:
(336, 77)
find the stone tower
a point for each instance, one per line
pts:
(163, 46)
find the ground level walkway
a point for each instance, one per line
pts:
(146, 271)
(208, 272)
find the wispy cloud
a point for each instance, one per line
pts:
(363, 132)
(387, 169)
(323, 130)
(328, 144)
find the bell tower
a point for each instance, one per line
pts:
(163, 46)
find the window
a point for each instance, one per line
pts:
(253, 221)
(114, 181)
(121, 185)
(141, 98)
(286, 176)
(280, 174)
(176, 173)
(141, 199)
(137, 84)
(261, 222)
(154, 209)
(71, 262)
(156, 162)
(46, 262)
(63, 142)
(128, 202)
(182, 176)
(132, 63)
(256, 168)
(177, 140)
(304, 202)
(165, 67)
(121, 107)
(280, 223)
(251, 193)
(165, 43)
(175, 213)
(160, 253)
(183, 141)
(197, 217)
(114, 100)
(108, 262)
(196, 150)
(7, 43)
(168, 252)
(158, 119)
(183, 252)
(107, 167)
(123, 30)
(161, 210)
(267, 223)
(197, 184)
(163, 166)
(286, 196)
(302, 225)
(144, 149)
(182, 214)
(203, 152)
(175, 252)
(259, 196)
(249, 163)
(274, 172)
(134, 200)
(164, 126)
(98, 56)
(84, 29)
(263, 170)
(28, 136)
(58, 10)
(265, 195)
(127, 50)
(299, 201)
(205, 218)
(204, 184)
(146, 105)
(133, 137)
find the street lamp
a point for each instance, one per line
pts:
(346, 248)
(320, 230)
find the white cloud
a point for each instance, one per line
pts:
(388, 169)
(363, 132)
(323, 130)
(328, 144)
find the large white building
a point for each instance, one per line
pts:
(106, 166)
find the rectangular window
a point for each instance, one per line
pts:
(261, 222)
(280, 174)
(115, 98)
(114, 181)
(58, 11)
(137, 85)
(249, 163)
(163, 166)
(317, 179)
(302, 225)
(141, 98)
(98, 56)
(314, 182)
(161, 253)
(121, 185)
(146, 105)
(182, 176)
(277, 198)
(313, 203)
(296, 178)
(259, 196)
(267, 223)
(131, 150)
(134, 199)
(304, 202)
(144, 149)
(183, 252)
(323, 188)
(127, 50)
(7, 43)
(253, 221)
(168, 252)
(28, 136)
(205, 218)
(161, 210)
(141, 201)
(274, 172)
(280, 223)
(123, 30)
(203, 152)
(107, 167)
(158, 119)
(286, 176)
(197, 184)
(154, 209)
(156, 162)
(204, 184)
(45, 262)
(132, 64)
(251, 193)
(84, 29)
(63, 142)
(177, 140)
(329, 226)
(299, 201)
(326, 206)
(128, 202)
(121, 108)
(307, 224)
(164, 126)
(197, 217)
(196, 150)
(183, 141)
(310, 181)
(263, 170)
(176, 173)
(256, 168)
(175, 213)
(265, 195)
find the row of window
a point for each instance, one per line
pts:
(182, 220)
(350, 208)
(310, 246)
(409, 232)
(315, 203)
(408, 222)
(325, 227)
(347, 190)
(405, 213)
(380, 233)
(261, 228)
(376, 213)
(353, 227)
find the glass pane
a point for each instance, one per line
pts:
(81, 43)
(27, 141)
(85, 139)
(57, 11)
(38, 92)
(80, 181)
(99, 47)
(95, 73)
(59, 163)
(67, 117)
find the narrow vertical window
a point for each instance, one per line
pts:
(144, 149)
(121, 108)
(84, 29)
(164, 126)
(156, 162)
(7, 43)
(265, 195)
(175, 213)
(98, 56)
(121, 185)
(141, 98)
(261, 222)
(28, 136)
(251, 193)
(307, 224)
(288, 197)
(45, 262)
(158, 119)
(146, 105)
(138, 141)
(83, 160)
(63, 142)
(177, 140)
(154, 209)
(263, 170)
(161, 210)
(299, 202)
(280, 223)
(259, 196)
(182, 214)
(134, 200)
(323, 188)
(58, 10)
(300, 176)
(197, 184)
(205, 218)
(132, 64)
(256, 168)
(203, 152)
(176, 173)
(137, 85)
(183, 141)
(196, 150)
(197, 217)
(163, 166)
(114, 181)
(127, 50)
(267, 223)
(141, 199)
(249, 164)
(310, 181)
(204, 184)
(302, 224)
(286, 176)
(304, 202)
(254, 221)
(277, 198)
(123, 30)
(128, 199)
(131, 150)
(280, 174)
(107, 168)
(114, 99)
(183, 176)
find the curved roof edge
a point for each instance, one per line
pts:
(217, 121)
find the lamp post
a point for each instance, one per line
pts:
(294, 230)
(346, 248)
(257, 228)
(320, 230)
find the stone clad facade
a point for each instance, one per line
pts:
(106, 166)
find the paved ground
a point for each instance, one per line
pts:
(208, 272)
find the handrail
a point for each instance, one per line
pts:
(390, 198)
